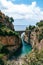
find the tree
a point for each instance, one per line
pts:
(40, 24)
(11, 19)
(7, 18)
(27, 28)
(1, 62)
(31, 27)
(36, 29)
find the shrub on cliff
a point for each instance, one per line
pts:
(1, 46)
(6, 26)
(40, 24)
(1, 62)
(4, 50)
(7, 21)
(0, 17)
(6, 31)
(34, 58)
(30, 27)
(40, 36)
(11, 19)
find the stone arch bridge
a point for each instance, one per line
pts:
(27, 33)
(20, 32)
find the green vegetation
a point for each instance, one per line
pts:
(1, 46)
(40, 36)
(6, 29)
(1, 62)
(0, 17)
(40, 24)
(11, 19)
(3, 51)
(35, 57)
(37, 28)
(6, 26)
(1, 55)
(30, 27)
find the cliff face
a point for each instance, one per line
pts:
(11, 42)
(6, 20)
(9, 39)
(32, 38)
(27, 36)
(35, 37)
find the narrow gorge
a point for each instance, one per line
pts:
(17, 48)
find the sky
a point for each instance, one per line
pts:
(24, 12)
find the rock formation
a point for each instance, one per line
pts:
(9, 39)
(34, 35)
(6, 20)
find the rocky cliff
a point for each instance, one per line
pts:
(6, 20)
(33, 39)
(27, 36)
(12, 43)
(34, 35)
(9, 39)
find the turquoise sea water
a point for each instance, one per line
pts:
(25, 49)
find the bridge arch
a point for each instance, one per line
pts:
(20, 32)
(27, 33)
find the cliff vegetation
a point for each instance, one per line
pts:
(9, 39)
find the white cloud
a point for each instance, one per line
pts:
(21, 11)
